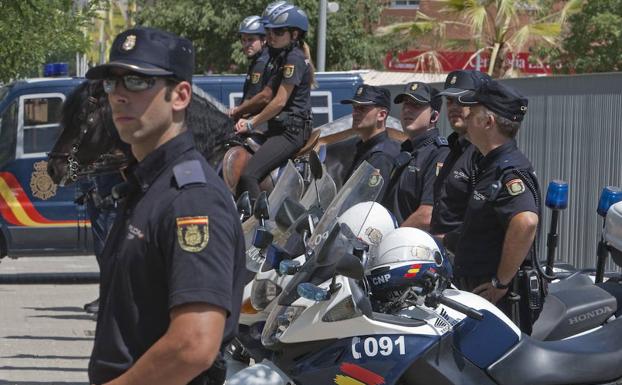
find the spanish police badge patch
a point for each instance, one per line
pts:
(515, 187)
(255, 78)
(288, 70)
(129, 43)
(414, 86)
(192, 233)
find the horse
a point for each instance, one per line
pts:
(89, 142)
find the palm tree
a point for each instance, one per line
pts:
(495, 27)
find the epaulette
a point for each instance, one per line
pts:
(189, 172)
(441, 141)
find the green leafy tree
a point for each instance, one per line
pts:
(494, 27)
(212, 26)
(591, 41)
(35, 31)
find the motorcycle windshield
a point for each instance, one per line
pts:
(326, 188)
(290, 184)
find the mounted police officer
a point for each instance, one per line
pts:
(410, 191)
(502, 213)
(170, 293)
(370, 110)
(289, 113)
(452, 186)
(253, 39)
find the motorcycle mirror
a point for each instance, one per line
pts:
(350, 266)
(315, 165)
(261, 209)
(244, 206)
(289, 267)
(312, 292)
(263, 237)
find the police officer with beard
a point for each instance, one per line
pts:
(410, 191)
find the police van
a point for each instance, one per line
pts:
(39, 217)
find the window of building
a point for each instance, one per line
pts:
(41, 128)
(405, 3)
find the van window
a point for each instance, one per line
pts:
(41, 123)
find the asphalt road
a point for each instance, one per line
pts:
(45, 336)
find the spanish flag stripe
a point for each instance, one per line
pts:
(345, 380)
(192, 222)
(361, 374)
(18, 210)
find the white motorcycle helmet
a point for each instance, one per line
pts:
(404, 255)
(370, 222)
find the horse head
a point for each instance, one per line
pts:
(87, 134)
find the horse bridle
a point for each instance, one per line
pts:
(73, 165)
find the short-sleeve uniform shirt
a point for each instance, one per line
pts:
(255, 76)
(177, 240)
(453, 186)
(414, 173)
(505, 186)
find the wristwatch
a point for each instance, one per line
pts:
(497, 284)
(249, 126)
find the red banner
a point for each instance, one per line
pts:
(419, 61)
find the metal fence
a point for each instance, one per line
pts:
(572, 132)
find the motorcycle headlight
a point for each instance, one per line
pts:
(278, 321)
(263, 292)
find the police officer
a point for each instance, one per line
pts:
(370, 110)
(169, 289)
(253, 38)
(452, 187)
(289, 113)
(410, 192)
(501, 219)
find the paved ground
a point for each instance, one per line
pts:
(45, 336)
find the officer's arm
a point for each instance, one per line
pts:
(188, 348)
(253, 105)
(519, 237)
(275, 106)
(420, 218)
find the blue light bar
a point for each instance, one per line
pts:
(608, 197)
(311, 292)
(557, 195)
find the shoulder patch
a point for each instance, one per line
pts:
(515, 187)
(288, 70)
(441, 141)
(255, 77)
(189, 172)
(192, 233)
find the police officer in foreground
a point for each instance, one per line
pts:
(502, 214)
(410, 192)
(253, 39)
(169, 289)
(370, 110)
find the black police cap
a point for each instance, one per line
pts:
(149, 51)
(367, 94)
(462, 81)
(420, 93)
(498, 98)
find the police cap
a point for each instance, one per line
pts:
(149, 51)
(420, 93)
(498, 98)
(462, 81)
(367, 94)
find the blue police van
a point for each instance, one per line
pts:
(39, 217)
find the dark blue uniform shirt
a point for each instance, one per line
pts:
(452, 187)
(177, 239)
(255, 79)
(505, 186)
(379, 151)
(414, 173)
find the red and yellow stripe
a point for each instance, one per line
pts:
(413, 271)
(185, 221)
(357, 375)
(17, 209)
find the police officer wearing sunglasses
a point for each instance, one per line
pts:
(169, 297)
(289, 113)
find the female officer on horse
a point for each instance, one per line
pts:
(289, 113)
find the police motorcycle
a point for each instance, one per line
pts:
(325, 328)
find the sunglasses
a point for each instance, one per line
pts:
(132, 83)
(278, 31)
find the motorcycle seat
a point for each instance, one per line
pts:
(587, 359)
